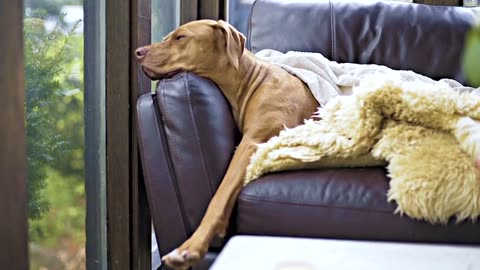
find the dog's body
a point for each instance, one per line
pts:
(264, 99)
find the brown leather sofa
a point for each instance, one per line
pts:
(187, 134)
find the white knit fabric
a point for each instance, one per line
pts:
(328, 79)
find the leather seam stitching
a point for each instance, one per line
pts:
(332, 27)
(170, 167)
(195, 130)
(249, 43)
(307, 203)
(148, 177)
(147, 174)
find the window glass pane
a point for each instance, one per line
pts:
(165, 18)
(53, 37)
(471, 3)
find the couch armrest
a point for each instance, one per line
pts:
(187, 137)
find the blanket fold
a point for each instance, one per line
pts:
(329, 79)
(426, 132)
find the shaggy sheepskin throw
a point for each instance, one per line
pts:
(427, 135)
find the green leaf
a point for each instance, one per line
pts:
(471, 57)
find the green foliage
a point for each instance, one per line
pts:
(471, 56)
(66, 218)
(44, 58)
(68, 113)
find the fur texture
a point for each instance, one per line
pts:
(426, 133)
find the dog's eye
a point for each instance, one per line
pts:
(179, 37)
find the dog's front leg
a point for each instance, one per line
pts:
(215, 220)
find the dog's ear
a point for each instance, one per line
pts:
(234, 42)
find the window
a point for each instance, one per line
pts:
(53, 49)
(165, 18)
(471, 3)
(57, 107)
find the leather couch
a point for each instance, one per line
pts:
(187, 134)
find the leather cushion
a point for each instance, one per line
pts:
(200, 135)
(187, 137)
(426, 39)
(335, 203)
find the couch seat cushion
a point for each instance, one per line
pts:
(336, 203)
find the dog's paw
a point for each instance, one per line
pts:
(467, 133)
(183, 257)
(175, 259)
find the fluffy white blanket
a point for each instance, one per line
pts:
(426, 132)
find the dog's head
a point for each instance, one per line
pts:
(198, 46)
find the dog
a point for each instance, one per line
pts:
(263, 97)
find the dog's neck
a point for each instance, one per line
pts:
(239, 84)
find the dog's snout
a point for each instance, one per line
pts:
(141, 52)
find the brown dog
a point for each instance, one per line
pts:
(264, 99)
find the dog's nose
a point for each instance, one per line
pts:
(141, 52)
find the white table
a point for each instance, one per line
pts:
(276, 253)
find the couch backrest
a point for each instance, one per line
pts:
(426, 39)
